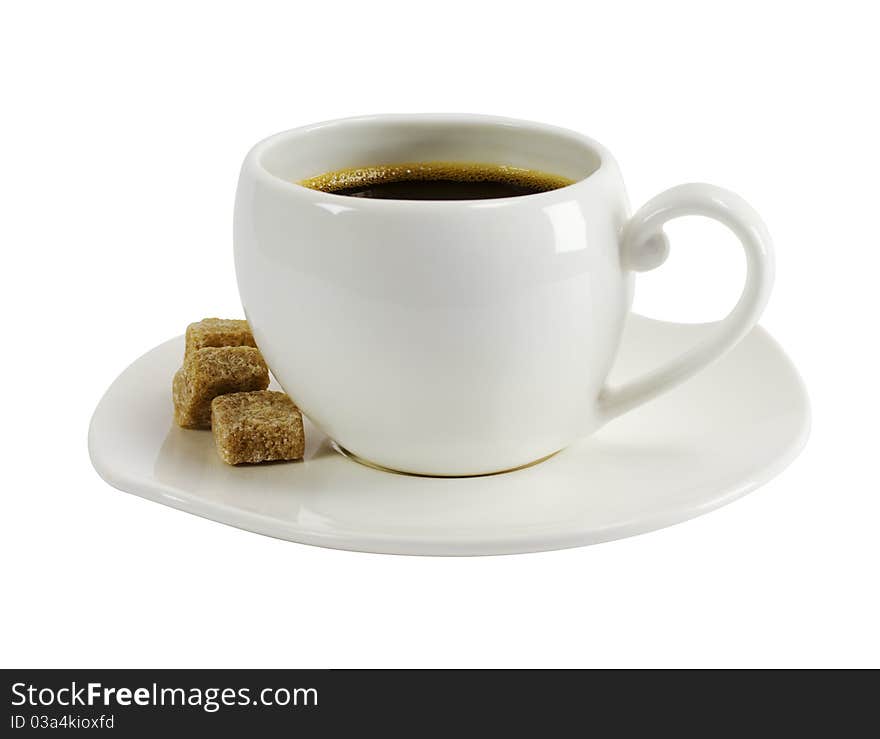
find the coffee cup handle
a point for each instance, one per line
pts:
(644, 246)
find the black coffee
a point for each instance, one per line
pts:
(436, 181)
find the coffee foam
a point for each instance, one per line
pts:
(360, 177)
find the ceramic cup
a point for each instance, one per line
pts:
(461, 337)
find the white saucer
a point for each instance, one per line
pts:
(706, 443)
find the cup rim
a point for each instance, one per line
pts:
(254, 161)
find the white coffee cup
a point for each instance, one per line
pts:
(461, 337)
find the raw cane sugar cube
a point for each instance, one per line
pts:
(179, 396)
(218, 332)
(262, 426)
(213, 371)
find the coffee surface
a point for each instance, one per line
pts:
(436, 181)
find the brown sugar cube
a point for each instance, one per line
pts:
(218, 332)
(262, 426)
(213, 371)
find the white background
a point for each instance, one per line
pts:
(123, 128)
